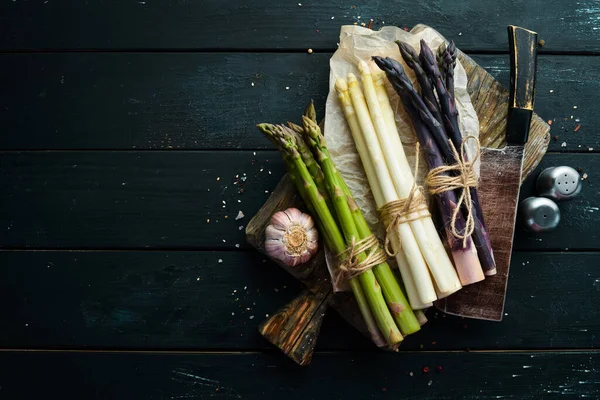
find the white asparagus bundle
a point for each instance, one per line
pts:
(374, 130)
(416, 262)
(367, 161)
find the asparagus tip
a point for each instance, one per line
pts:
(265, 127)
(310, 111)
(405, 48)
(363, 67)
(341, 85)
(452, 47)
(351, 77)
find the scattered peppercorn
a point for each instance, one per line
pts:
(541, 42)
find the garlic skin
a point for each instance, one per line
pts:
(291, 238)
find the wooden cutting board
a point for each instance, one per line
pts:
(295, 328)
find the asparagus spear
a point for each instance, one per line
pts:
(312, 166)
(447, 62)
(450, 115)
(411, 58)
(396, 301)
(322, 212)
(465, 259)
(310, 111)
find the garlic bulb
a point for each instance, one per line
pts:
(291, 237)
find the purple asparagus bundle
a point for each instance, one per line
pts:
(450, 121)
(428, 129)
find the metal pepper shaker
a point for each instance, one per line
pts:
(559, 183)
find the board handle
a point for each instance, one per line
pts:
(523, 64)
(294, 329)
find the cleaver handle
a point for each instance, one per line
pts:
(523, 64)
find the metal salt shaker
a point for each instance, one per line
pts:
(539, 214)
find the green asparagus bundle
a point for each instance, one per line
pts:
(382, 303)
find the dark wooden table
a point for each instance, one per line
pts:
(128, 147)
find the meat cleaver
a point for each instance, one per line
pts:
(501, 178)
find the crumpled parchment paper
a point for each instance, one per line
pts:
(358, 43)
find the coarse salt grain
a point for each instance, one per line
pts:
(218, 178)
(239, 216)
(287, 88)
(237, 245)
(564, 144)
(220, 261)
(252, 83)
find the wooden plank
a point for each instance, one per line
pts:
(260, 376)
(132, 199)
(270, 24)
(190, 301)
(207, 101)
(153, 101)
(141, 199)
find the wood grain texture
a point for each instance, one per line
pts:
(259, 376)
(187, 300)
(295, 327)
(165, 100)
(270, 24)
(132, 199)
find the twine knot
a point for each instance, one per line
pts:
(397, 212)
(460, 176)
(351, 265)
